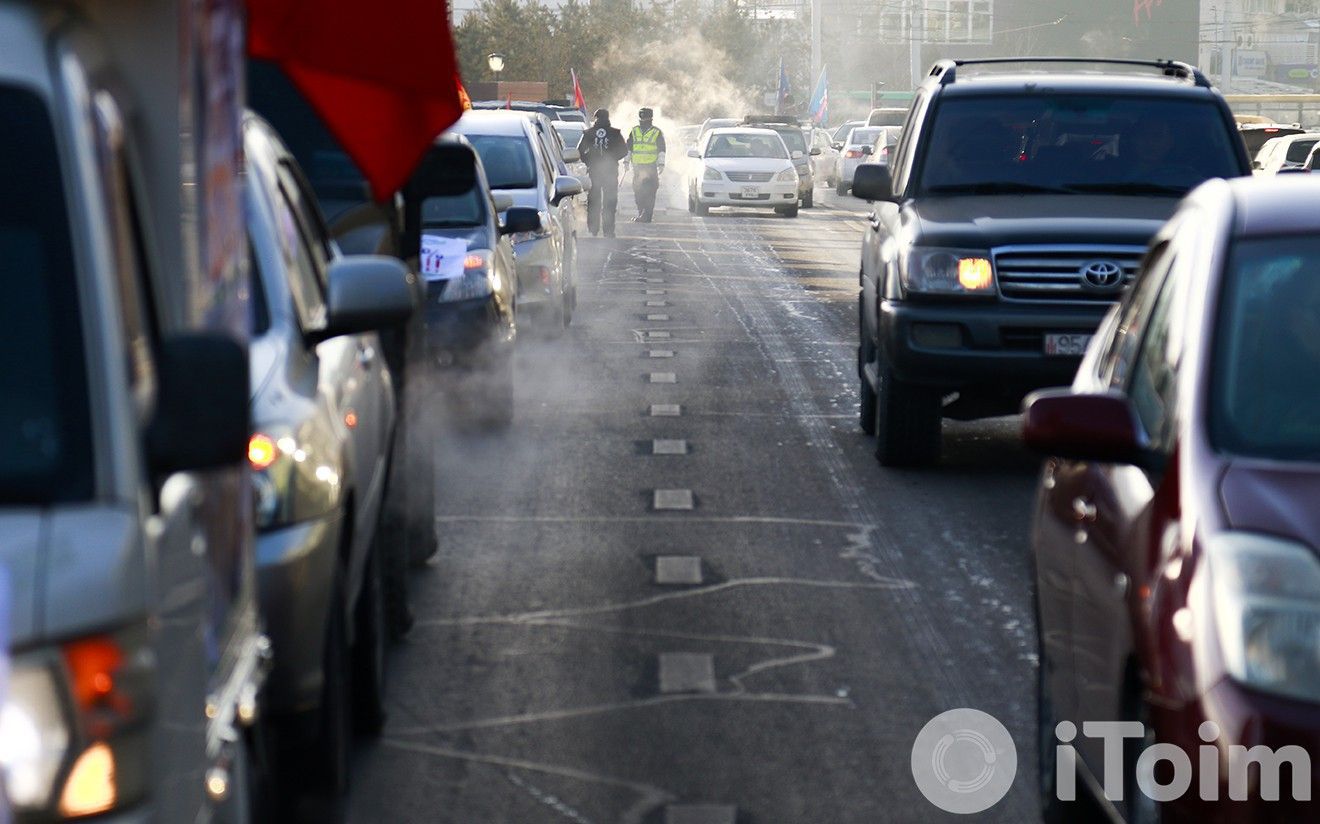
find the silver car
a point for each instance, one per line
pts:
(323, 417)
(518, 165)
(858, 148)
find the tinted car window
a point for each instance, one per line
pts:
(508, 160)
(45, 424)
(1299, 149)
(466, 209)
(1078, 143)
(1256, 138)
(1264, 395)
(793, 139)
(863, 137)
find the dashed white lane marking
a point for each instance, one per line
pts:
(655, 291)
(701, 814)
(657, 317)
(665, 410)
(667, 446)
(677, 569)
(664, 377)
(686, 672)
(655, 280)
(657, 303)
(672, 499)
(661, 353)
(657, 335)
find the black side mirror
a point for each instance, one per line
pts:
(201, 419)
(366, 293)
(815, 151)
(868, 150)
(521, 219)
(872, 181)
(838, 147)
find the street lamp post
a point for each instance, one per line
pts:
(495, 61)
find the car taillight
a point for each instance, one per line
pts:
(852, 153)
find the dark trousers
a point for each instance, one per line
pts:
(646, 182)
(603, 199)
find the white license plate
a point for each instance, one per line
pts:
(1066, 343)
(751, 191)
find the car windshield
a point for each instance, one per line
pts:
(793, 139)
(1299, 149)
(45, 429)
(466, 209)
(842, 132)
(508, 160)
(745, 145)
(1263, 399)
(1076, 143)
(864, 137)
(570, 133)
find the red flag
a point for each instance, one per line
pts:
(385, 83)
(579, 102)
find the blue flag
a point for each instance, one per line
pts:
(781, 102)
(820, 101)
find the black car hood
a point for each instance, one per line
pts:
(987, 221)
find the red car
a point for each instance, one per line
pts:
(1177, 525)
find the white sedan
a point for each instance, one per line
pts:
(742, 167)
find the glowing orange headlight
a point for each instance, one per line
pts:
(262, 451)
(974, 274)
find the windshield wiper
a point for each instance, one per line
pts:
(1131, 187)
(992, 187)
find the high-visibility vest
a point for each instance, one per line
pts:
(645, 146)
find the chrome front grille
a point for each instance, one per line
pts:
(750, 177)
(1055, 273)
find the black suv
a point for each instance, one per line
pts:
(1014, 211)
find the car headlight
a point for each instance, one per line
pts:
(1267, 611)
(946, 272)
(789, 175)
(712, 174)
(291, 482)
(520, 237)
(475, 282)
(93, 758)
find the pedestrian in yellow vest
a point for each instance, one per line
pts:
(646, 153)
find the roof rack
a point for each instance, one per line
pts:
(946, 71)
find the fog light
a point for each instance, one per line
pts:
(91, 785)
(937, 335)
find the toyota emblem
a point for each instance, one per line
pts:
(1102, 275)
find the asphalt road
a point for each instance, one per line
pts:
(552, 678)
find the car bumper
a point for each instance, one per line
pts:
(295, 572)
(1245, 718)
(727, 193)
(538, 271)
(847, 170)
(972, 345)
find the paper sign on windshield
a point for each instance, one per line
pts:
(442, 257)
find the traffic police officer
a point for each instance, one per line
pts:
(646, 149)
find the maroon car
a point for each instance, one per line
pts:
(1177, 525)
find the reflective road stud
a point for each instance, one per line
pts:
(671, 570)
(673, 499)
(686, 672)
(665, 410)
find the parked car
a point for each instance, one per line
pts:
(840, 133)
(561, 156)
(133, 639)
(716, 123)
(1256, 135)
(798, 151)
(323, 420)
(467, 261)
(742, 167)
(1284, 153)
(517, 164)
(570, 134)
(1174, 536)
(1006, 224)
(824, 161)
(858, 148)
(888, 116)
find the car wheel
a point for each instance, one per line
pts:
(907, 422)
(866, 406)
(1053, 810)
(841, 188)
(692, 202)
(702, 209)
(790, 211)
(322, 766)
(369, 648)
(809, 199)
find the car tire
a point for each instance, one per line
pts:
(369, 650)
(866, 406)
(790, 211)
(809, 199)
(321, 767)
(692, 202)
(702, 210)
(907, 423)
(841, 188)
(1053, 810)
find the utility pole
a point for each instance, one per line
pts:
(1225, 52)
(916, 34)
(815, 40)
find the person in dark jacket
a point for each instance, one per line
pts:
(602, 147)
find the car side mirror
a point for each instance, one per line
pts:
(199, 423)
(868, 150)
(1256, 164)
(838, 147)
(502, 202)
(1098, 427)
(572, 155)
(815, 151)
(797, 154)
(694, 153)
(566, 186)
(872, 181)
(521, 219)
(366, 293)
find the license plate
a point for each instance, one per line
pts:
(1066, 343)
(751, 191)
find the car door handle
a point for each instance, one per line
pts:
(1084, 509)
